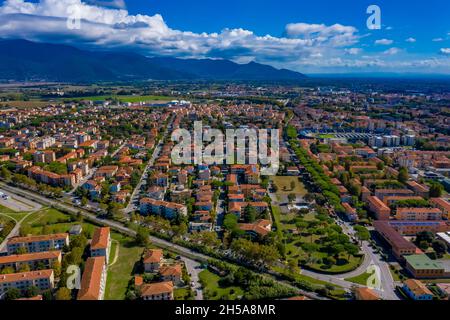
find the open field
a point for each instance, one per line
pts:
(284, 185)
(25, 104)
(212, 289)
(120, 273)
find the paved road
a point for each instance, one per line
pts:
(135, 195)
(17, 203)
(193, 268)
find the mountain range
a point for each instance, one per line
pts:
(22, 60)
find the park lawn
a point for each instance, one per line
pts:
(360, 279)
(294, 251)
(46, 217)
(4, 209)
(213, 291)
(283, 184)
(350, 265)
(120, 274)
(50, 220)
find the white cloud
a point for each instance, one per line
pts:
(392, 51)
(305, 47)
(445, 50)
(353, 51)
(337, 34)
(411, 40)
(438, 40)
(119, 4)
(384, 42)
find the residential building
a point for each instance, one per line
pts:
(420, 266)
(93, 282)
(38, 243)
(157, 291)
(43, 260)
(172, 273)
(152, 260)
(101, 243)
(417, 290)
(381, 210)
(43, 280)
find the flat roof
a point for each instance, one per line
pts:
(423, 262)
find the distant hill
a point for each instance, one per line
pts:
(22, 60)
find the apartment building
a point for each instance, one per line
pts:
(418, 214)
(93, 281)
(33, 260)
(381, 210)
(157, 291)
(382, 193)
(443, 205)
(399, 245)
(43, 280)
(152, 260)
(38, 243)
(411, 228)
(101, 243)
(169, 210)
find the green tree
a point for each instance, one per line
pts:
(142, 236)
(12, 294)
(230, 222)
(32, 292)
(436, 190)
(5, 173)
(403, 175)
(440, 247)
(63, 294)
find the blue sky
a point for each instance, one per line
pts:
(321, 36)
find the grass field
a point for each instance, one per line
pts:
(25, 104)
(50, 220)
(360, 279)
(213, 291)
(123, 270)
(284, 183)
